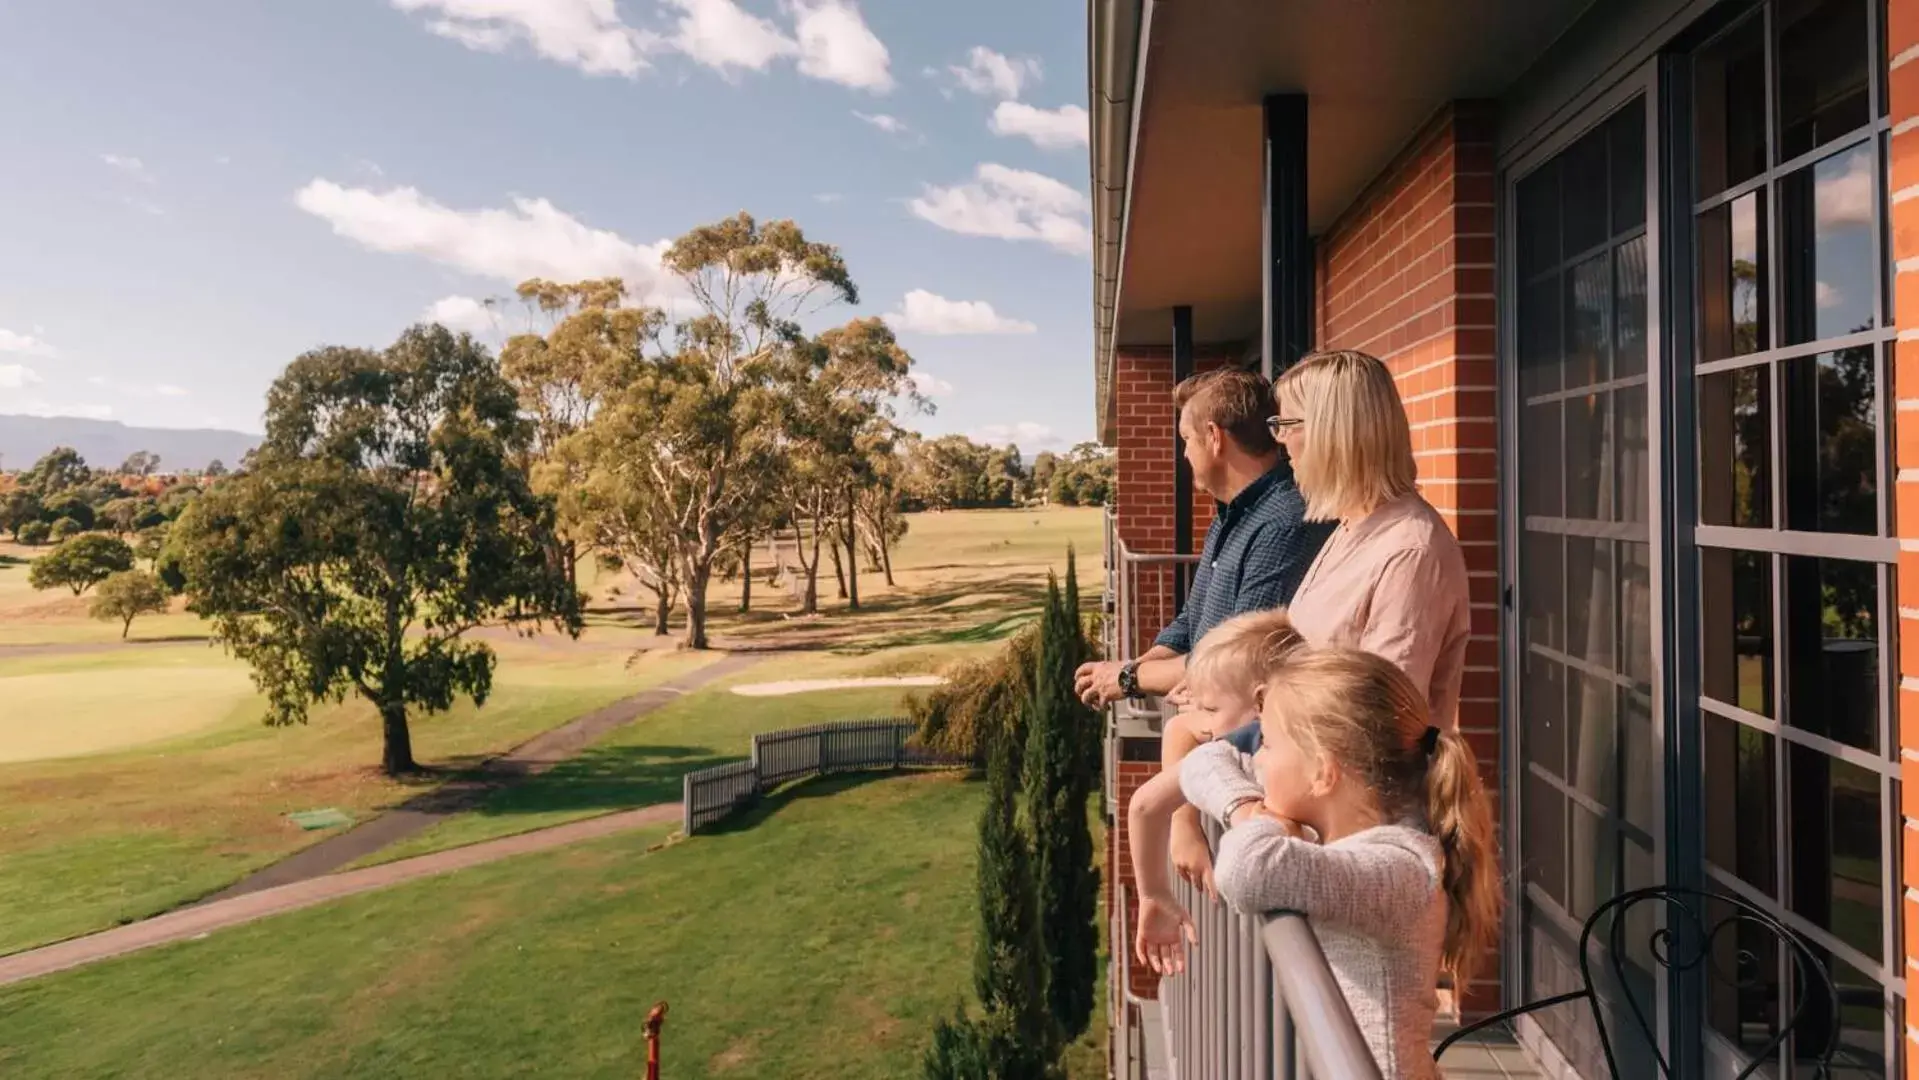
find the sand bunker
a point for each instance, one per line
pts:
(804, 686)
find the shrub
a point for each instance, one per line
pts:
(65, 528)
(980, 700)
(34, 533)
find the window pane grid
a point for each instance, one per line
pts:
(1797, 563)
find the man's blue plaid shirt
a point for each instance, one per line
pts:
(1255, 556)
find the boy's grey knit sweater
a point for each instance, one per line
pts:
(1374, 899)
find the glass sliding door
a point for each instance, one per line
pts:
(1796, 579)
(1587, 772)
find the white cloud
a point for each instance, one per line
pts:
(1827, 295)
(828, 197)
(532, 238)
(930, 385)
(18, 377)
(459, 313)
(134, 389)
(922, 312)
(1010, 204)
(24, 344)
(892, 125)
(1846, 199)
(1026, 434)
(836, 45)
(131, 166)
(145, 206)
(586, 34)
(992, 74)
(721, 35)
(1050, 129)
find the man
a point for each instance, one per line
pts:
(1259, 545)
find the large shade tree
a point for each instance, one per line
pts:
(386, 515)
(696, 433)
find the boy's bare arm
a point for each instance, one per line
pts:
(1149, 818)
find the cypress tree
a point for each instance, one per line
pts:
(1056, 790)
(1009, 962)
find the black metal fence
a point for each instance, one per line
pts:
(781, 757)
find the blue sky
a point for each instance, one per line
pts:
(195, 192)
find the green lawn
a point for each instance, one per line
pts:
(92, 840)
(820, 937)
(643, 763)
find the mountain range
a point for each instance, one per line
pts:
(106, 443)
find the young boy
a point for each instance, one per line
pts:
(1221, 684)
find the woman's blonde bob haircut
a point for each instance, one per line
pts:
(1359, 450)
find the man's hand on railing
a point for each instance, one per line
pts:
(1097, 682)
(1192, 856)
(1164, 931)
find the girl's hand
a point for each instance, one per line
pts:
(1160, 944)
(1179, 696)
(1192, 858)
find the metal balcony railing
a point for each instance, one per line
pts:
(1257, 1001)
(1137, 581)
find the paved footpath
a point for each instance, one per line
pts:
(422, 812)
(192, 922)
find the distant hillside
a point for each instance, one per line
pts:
(106, 443)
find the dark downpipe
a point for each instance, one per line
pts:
(1182, 473)
(1287, 269)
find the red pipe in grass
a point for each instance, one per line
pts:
(655, 1020)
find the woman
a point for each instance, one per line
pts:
(1391, 580)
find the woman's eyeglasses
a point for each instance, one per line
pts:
(1277, 424)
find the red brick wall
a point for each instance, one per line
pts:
(1407, 275)
(1132, 774)
(1902, 182)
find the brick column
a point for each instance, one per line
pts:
(1902, 46)
(1407, 275)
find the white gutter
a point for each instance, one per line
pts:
(1117, 31)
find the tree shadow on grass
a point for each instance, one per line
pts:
(824, 787)
(604, 779)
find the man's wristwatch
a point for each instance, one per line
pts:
(1129, 678)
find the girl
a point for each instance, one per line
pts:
(1402, 882)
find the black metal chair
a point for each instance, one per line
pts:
(1685, 951)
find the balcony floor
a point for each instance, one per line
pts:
(1490, 1055)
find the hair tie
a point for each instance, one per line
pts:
(1429, 741)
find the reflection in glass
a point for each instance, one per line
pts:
(1632, 463)
(1629, 294)
(1832, 649)
(1863, 1018)
(1589, 485)
(1742, 996)
(1542, 713)
(1627, 131)
(1729, 108)
(1639, 777)
(1821, 72)
(1735, 440)
(1539, 351)
(1542, 829)
(1732, 278)
(1593, 739)
(1826, 247)
(1589, 322)
(1832, 442)
(1585, 194)
(1735, 628)
(1837, 877)
(1741, 812)
(1542, 478)
(1542, 576)
(1593, 862)
(1634, 568)
(1589, 597)
(1538, 225)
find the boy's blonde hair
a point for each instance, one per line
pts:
(1362, 712)
(1240, 651)
(1359, 447)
